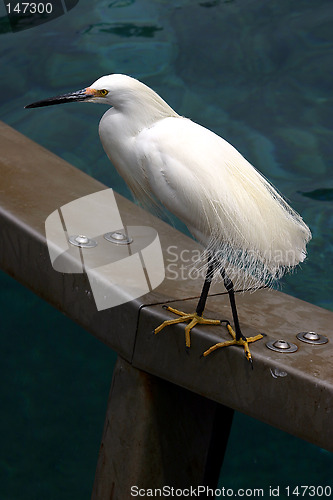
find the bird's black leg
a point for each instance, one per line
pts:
(237, 336)
(206, 286)
(231, 292)
(194, 318)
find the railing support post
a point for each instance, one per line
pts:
(157, 435)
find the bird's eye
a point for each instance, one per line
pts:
(103, 92)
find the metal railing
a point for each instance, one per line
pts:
(165, 402)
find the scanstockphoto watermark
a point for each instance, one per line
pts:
(304, 491)
(25, 15)
(183, 263)
(189, 264)
(196, 491)
(88, 236)
(121, 262)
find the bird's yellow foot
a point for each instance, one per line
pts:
(194, 319)
(242, 341)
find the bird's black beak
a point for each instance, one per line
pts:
(79, 95)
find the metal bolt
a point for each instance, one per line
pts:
(282, 346)
(312, 338)
(82, 241)
(118, 237)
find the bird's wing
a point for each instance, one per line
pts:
(220, 196)
(176, 156)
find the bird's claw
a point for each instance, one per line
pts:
(243, 341)
(193, 319)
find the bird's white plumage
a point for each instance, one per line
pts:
(225, 202)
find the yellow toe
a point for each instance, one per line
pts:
(242, 341)
(193, 319)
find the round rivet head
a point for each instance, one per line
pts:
(82, 241)
(312, 338)
(282, 346)
(118, 237)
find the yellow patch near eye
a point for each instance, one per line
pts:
(103, 92)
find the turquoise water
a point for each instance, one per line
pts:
(259, 74)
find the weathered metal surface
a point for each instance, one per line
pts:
(293, 392)
(157, 434)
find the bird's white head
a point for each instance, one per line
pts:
(122, 92)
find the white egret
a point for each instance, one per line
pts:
(246, 227)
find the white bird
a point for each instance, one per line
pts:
(245, 226)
